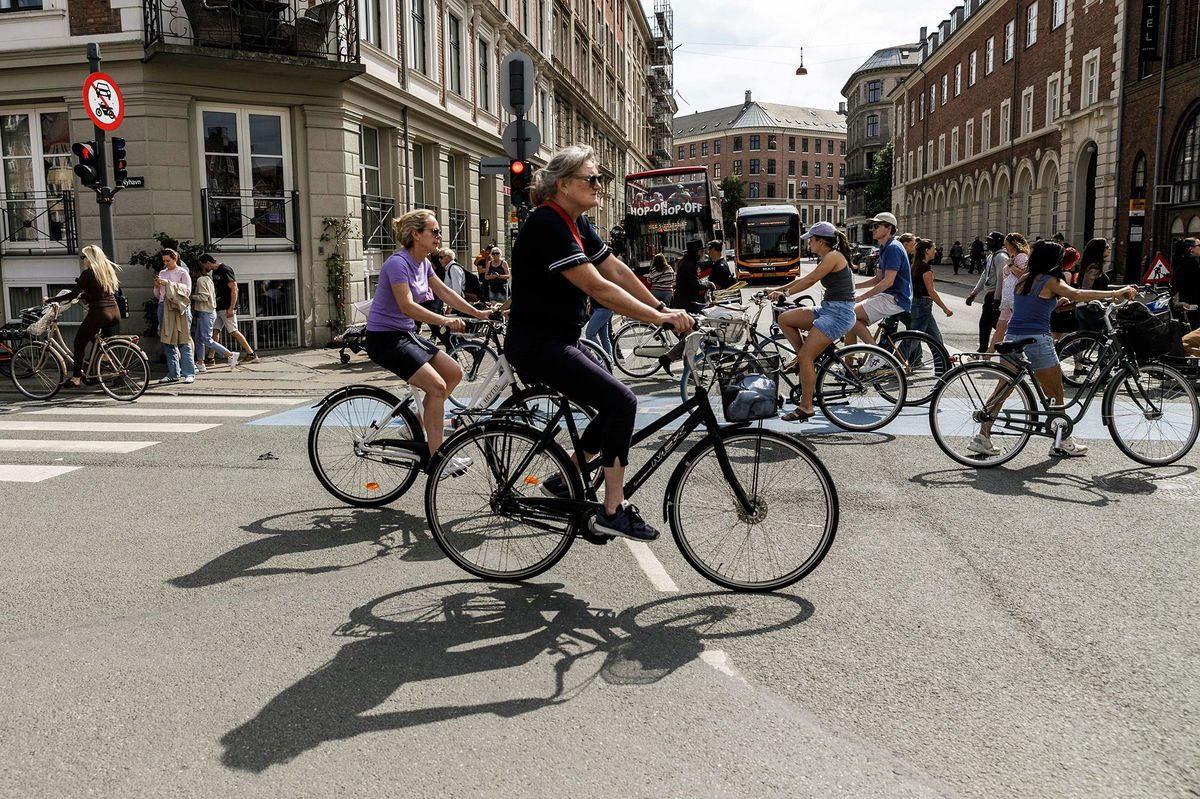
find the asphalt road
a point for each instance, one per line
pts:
(197, 617)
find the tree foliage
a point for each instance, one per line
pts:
(734, 198)
(878, 195)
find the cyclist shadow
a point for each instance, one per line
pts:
(1027, 482)
(843, 439)
(459, 628)
(1142, 480)
(286, 534)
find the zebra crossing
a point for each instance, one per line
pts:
(49, 436)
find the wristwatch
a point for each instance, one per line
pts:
(661, 306)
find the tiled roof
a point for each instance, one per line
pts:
(757, 115)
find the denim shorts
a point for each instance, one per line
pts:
(834, 318)
(1041, 353)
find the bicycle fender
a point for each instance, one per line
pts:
(338, 393)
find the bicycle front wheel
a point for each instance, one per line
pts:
(637, 346)
(356, 471)
(791, 522)
(37, 370)
(924, 360)
(861, 388)
(1152, 414)
(123, 371)
(975, 394)
(495, 534)
(478, 364)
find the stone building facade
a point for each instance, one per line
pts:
(1009, 122)
(869, 126)
(782, 153)
(253, 124)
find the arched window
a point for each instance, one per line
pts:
(1187, 164)
(1138, 190)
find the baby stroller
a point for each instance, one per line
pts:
(354, 337)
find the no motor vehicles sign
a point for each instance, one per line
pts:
(103, 101)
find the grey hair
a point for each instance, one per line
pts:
(446, 251)
(562, 165)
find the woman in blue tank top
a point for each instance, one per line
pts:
(1036, 297)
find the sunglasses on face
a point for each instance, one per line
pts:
(595, 181)
(434, 231)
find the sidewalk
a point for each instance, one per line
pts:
(306, 372)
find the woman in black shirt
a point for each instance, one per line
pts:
(97, 284)
(558, 262)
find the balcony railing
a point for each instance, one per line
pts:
(324, 29)
(456, 237)
(249, 221)
(377, 213)
(38, 222)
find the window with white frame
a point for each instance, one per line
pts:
(1053, 98)
(1059, 14)
(1091, 79)
(912, 113)
(945, 88)
(454, 53)
(247, 175)
(985, 131)
(1010, 40)
(969, 139)
(989, 55)
(954, 145)
(1031, 19)
(933, 98)
(929, 164)
(420, 53)
(1027, 111)
(485, 75)
(941, 151)
(368, 22)
(418, 174)
(37, 169)
(972, 64)
(1005, 121)
(20, 5)
(958, 79)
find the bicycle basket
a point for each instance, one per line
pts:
(726, 326)
(749, 387)
(1144, 332)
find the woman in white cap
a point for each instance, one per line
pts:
(826, 324)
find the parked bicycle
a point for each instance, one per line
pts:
(40, 366)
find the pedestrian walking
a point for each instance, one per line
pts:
(690, 289)
(977, 258)
(225, 284)
(204, 312)
(925, 295)
(1017, 250)
(173, 288)
(990, 311)
(662, 279)
(97, 286)
(496, 275)
(956, 255)
(719, 274)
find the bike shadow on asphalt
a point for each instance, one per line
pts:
(391, 532)
(461, 628)
(1036, 481)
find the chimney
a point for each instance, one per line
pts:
(842, 108)
(747, 103)
(924, 42)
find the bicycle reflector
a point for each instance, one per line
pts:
(88, 168)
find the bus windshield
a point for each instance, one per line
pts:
(664, 209)
(773, 237)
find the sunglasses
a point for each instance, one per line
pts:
(435, 231)
(595, 181)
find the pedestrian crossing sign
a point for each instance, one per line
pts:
(1159, 271)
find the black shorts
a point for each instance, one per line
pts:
(400, 351)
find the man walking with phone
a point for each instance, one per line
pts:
(226, 286)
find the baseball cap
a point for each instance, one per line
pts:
(886, 218)
(824, 229)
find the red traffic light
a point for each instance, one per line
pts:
(517, 167)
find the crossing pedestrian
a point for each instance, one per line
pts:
(204, 310)
(1093, 276)
(956, 255)
(977, 258)
(662, 278)
(925, 295)
(988, 280)
(1017, 250)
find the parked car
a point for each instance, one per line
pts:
(868, 260)
(861, 251)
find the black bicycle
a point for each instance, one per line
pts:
(750, 509)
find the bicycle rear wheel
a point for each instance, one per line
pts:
(540, 405)
(971, 395)
(791, 525)
(924, 360)
(636, 347)
(123, 371)
(1079, 355)
(596, 353)
(1152, 414)
(37, 370)
(492, 534)
(858, 400)
(477, 362)
(341, 462)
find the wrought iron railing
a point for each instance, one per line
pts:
(251, 221)
(326, 29)
(456, 238)
(377, 213)
(38, 221)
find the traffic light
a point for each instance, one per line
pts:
(88, 167)
(120, 165)
(519, 173)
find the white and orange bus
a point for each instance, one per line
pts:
(766, 241)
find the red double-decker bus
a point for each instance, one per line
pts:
(666, 207)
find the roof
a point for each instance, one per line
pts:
(757, 115)
(904, 55)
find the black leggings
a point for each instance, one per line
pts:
(560, 365)
(989, 314)
(96, 320)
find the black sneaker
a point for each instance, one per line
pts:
(249, 357)
(555, 486)
(627, 522)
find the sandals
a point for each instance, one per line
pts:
(797, 415)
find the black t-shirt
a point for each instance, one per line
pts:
(721, 276)
(221, 277)
(542, 297)
(688, 290)
(918, 280)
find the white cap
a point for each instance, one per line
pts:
(823, 229)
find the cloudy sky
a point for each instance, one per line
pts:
(726, 47)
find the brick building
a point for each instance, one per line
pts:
(783, 154)
(1173, 211)
(253, 123)
(869, 126)
(1009, 121)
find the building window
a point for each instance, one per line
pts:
(754, 166)
(35, 171)
(842, 147)
(985, 132)
(1031, 24)
(804, 211)
(817, 146)
(972, 62)
(485, 76)
(752, 191)
(941, 152)
(816, 169)
(368, 160)
(792, 168)
(842, 166)
(692, 150)
(791, 191)
(420, 54)
(1059, 15)
(1053, 99)
(680, 152)
(945, 88)
(717, 170)
(737, 166)
(969, 139)
(872, 126)
(418, 174)
(791, 144)
(771, 169)
(954, 146)
(716, 146)
(803, 169)
(247, 175)
(737, 144)
(704, 149)
(1027, 112)
(804, 144)
(989, 55)
(1005, 121)
(874, 91)
(772, 142)
(454, 52)
(1091, 80)
(368, 20)
(1010, 40)
(20, 5)
(1187, 165)
(754, 143)
(921, 104)
(1138, 190)
(771, 190)
(932, 98)
(912, 113)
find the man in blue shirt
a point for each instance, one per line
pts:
(890, 291)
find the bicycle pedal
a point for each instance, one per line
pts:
(599, 539)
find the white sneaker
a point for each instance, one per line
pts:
(457, 467)
(232, 359)
(189, 379)
(1069, 448)
(167, 379)
(873, 364)
(983, 445)
(201, 368)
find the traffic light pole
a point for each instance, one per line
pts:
(104, 194)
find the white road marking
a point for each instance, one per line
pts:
(52, 445)
(651, 566)
(720, 661)
(134, 410)
(32, 474)
(51, 425)
(200, 399)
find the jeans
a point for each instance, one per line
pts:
(663, 296)
(599, 329)
(203, 337)
(923, 318)
(179, 356)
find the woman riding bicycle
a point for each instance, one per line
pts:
(558, 262)
(826, 324)
(1035, 298)
(97, 284)
(406, 280)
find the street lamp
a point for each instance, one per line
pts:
(800, 70)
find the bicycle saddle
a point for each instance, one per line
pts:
(1006, 347)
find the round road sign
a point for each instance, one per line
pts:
(103, 101)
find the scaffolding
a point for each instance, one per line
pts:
(660, 78)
